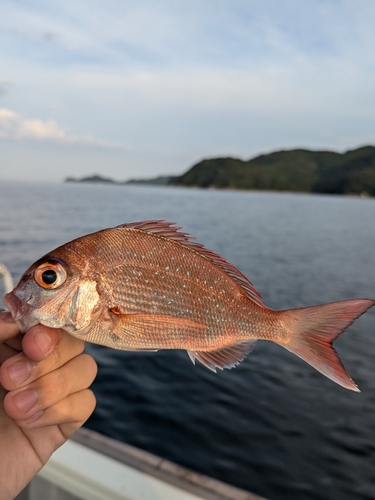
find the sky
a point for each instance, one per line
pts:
(131, 89)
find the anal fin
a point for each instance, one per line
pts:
(226, 357)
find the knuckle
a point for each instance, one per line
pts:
(60, 383)
(91, 366)
(88, 400)
(56, 356)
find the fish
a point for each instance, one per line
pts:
(145, 286)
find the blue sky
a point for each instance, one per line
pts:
(137, 89)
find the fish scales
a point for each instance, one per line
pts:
(147, 286)
(188, 285)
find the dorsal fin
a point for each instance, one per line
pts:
(170, 231)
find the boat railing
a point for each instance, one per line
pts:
(91, 466)
(6, 278)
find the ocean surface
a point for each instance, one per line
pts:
(273, 425)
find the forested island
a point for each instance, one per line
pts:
(298, 170)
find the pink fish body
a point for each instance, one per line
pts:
(147, 286)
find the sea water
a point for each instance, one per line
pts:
(273, 425)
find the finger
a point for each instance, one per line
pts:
(53, 387)
(40, 341)
(8, 327)
(20, 370)
(69, 413)
(6, 352)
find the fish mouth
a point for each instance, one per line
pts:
(20, 311)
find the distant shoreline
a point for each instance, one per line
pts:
(224, 189)
(295, 171)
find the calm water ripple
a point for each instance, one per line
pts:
(273, 425)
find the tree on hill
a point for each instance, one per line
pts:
(298, 170)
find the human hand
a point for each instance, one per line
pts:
(47, 377)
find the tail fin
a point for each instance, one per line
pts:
(315, 328)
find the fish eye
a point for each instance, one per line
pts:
(50, 275)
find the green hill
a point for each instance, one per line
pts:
(299, 170)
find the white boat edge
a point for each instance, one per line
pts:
(6, 278)
(91, 466)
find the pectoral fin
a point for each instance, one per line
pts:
(153, 331)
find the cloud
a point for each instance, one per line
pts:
(4, 85)
(167, 33)
(13, 126)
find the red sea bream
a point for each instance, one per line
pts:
(147, 286)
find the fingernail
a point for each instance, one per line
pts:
(25, 400)
(43, 341)
(19, 371)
